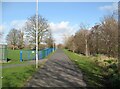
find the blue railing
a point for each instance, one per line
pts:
(30, 54)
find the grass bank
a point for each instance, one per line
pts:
(17, 76)
(99, 71)
(93, 74)
(14, 57)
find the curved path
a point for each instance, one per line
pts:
(58, 71)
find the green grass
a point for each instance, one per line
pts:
(93, 74)
(0, 76)
(17, 76)
(13, 55)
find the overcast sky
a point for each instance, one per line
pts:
(64, 18)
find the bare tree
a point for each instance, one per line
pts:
(12, 38)
(100, 39)
(30, 28)
(20, 39)
(70, 43)
(81, 40)
(103, 38)
(94, 39)
(110, 31)
(15, 39)
(49, 39)
(86, 33)
(65, 39)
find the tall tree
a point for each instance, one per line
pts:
(69, 43)
(20, 39)
(49, 39)
(81, 40)
(30, 28)
(94, 40)
(103, 38)
(15, 39)
(12, 38)
(110, 28)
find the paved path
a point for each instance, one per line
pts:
(32, 62)
(58, 71)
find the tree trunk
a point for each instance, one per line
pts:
(13, 47)
(86, 47)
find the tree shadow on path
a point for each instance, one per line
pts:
(58, 71)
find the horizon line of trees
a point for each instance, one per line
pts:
(103, 38)
(100, 39)
(19, 39)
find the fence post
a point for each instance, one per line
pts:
(40, 54)
(50, 50)
(43, 53)
(21, 56)
(28, 55)
(47, 52)
(53, 49)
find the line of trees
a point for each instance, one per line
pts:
(25, 37)
(100, 39)
(103, 38)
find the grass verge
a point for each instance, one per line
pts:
(17, 76)
(93, 74)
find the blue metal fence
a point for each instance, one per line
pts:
(30, 54)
